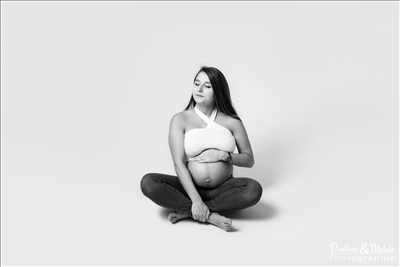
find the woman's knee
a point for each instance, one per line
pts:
(148, 183)
(254, 191)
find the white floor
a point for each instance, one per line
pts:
(315, 195)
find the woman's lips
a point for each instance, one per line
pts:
(199, 95)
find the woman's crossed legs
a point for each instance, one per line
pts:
(234, 194)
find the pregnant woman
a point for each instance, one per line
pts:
(202, 139)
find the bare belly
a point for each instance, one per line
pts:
(210, 174)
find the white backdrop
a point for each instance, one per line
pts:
(88, 89)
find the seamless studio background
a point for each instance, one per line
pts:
(88, 89)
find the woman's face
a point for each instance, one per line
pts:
(202, 89)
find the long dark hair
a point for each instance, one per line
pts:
(222, 94)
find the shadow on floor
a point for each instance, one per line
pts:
(261, 211)
(164, 213)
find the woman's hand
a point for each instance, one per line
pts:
(200, 211)
(210, 155)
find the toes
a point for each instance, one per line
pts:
(231, 228)
(172, 217)
(227, 226)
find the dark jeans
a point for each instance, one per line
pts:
(234, 194)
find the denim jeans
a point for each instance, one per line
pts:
(233, 194)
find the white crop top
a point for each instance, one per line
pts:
(213, 135)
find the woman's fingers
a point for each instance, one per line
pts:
(198, 217)
(204, 215)
(201, 213)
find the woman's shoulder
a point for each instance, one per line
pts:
(230, 121)
(181, 116)
(228, 118)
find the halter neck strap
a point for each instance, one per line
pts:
(204, 116)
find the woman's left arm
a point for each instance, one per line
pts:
(245, 157)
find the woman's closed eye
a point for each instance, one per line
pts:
(197, 84)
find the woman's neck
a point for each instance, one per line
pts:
(207, 110)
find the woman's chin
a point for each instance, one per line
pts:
(210, 174)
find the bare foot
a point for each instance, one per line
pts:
(221, 222)
(176, 216)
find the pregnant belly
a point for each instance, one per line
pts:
(210, 174)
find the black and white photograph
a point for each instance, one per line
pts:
(199, 133)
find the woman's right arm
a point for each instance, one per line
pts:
(175, 141)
